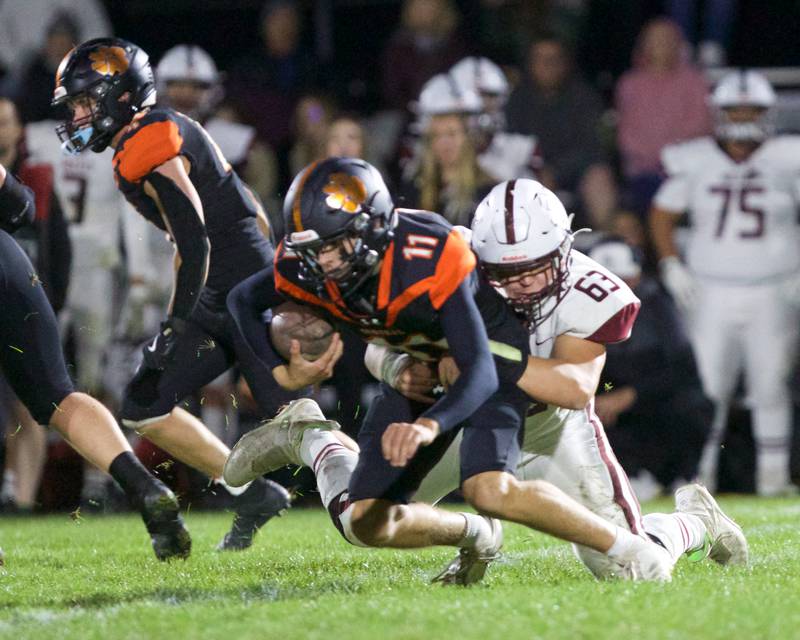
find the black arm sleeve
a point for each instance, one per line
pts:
(60, 259)
(189, 233)
(469, 347)
(247, 303)
(17, 205)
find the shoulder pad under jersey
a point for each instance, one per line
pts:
(599, 306)
(152, 140)
(687, 157)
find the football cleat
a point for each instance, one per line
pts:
(470, 565)
(274, 444)
(262, 501)
(728, 544)
(161, 515)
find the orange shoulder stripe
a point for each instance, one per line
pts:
(149, 147)
(455, 264)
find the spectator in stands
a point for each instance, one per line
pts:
(265, 85)
(662, 99)
(651, 402)
(24, 25)
(564, 114)
(35, 90)
(449, 179)
(426, 43)
(715, 27)
(312, 116)
(345, 138)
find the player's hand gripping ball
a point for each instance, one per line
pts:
(291, 321)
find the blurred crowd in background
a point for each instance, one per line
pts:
(447, 98)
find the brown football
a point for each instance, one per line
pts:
(291, 321)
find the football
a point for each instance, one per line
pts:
(291, 321)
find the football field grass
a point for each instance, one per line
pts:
(97, 578)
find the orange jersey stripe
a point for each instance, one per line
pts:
(455, 264)
(385, 282)
(149, 147)
(290, 289)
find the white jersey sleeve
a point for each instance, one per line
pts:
(680, 161)
(598, 306)
(509, 156)
(233, 139)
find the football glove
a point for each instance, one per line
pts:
(159, 351)
(679, 282)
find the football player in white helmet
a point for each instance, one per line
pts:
(573, 306)
(188, 81)
(502, 155)
(739, 276)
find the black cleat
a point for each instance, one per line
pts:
(262, 500)
(161, 515)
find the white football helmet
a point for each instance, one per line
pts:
(744, 88)
(485, 78)
(441, 95)
(522, 228)
(190, 63)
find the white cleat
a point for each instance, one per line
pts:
(274, 444)
(728, 544)
(470, 565)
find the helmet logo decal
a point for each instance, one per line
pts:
(109, 60)
(345, 192)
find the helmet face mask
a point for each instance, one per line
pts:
(521, 235)
(743, 104)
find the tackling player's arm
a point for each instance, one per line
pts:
(569, 378)
(17, 205)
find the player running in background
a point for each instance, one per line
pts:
(172, 172)
(407, 279)
(573, 307)
(34, 366)
(740, 283)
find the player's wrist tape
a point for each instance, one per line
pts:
(17, 206)
(393, 365)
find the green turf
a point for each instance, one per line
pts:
(97, 578)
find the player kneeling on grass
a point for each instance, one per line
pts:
(33, 363)
(572, 307)
(408, 279)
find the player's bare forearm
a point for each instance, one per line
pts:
(569, 378)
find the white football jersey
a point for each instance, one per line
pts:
(233, 139)
(509, 156)
(743, 216)
(598, 306)
(96, 211)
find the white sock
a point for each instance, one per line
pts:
(477, 532)
(678, 532)
(772, 431)
(624, 543)
(331, 462)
